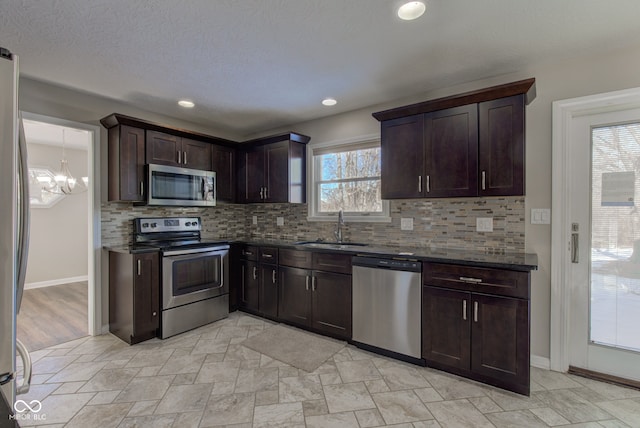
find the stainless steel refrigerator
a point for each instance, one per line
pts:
(14, 228)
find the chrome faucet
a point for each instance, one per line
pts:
(338, 232)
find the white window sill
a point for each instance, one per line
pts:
(352, 219)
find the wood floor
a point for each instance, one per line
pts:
(53, 315)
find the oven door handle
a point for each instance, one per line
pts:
(176, 254)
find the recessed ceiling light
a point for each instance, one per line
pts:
(329, 102)
(411, 10)
(186, 103)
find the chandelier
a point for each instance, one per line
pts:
(63, 181)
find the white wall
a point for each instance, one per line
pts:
(571, 78)
(58, 239)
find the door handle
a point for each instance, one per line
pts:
(313, 283)
(464, 310)
(243, 282)
(266, 192)
(141, 188)
(139, 267)
(475, 311)
(179, 156)
(262, 193)
(306, 282)
(27, 364)
(428, 184)
(575, 243)
(184, 158)
(484, 180)
(255, 272)
(419, 184)
(273, 276)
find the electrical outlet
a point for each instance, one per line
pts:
(279, 221)
(255, 220)
(406, 223)
(484, 224)
(540, 216)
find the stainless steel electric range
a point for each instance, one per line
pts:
(195, 272)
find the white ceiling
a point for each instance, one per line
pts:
(253, 65)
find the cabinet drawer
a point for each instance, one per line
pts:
(329, 262)
(296, 258)
(268, 255)
(477, 279)
(249, 252)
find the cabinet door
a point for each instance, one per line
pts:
(451, 152)
(223, 163)
(269, 290)
(331, 304)
(276, 176)
(254, 178)
(402, 157)
(249, 286)
(126, 163)
(294, 304)
(146, 295)
(446, 327)
(500, 338)
(196, 154)
(163, 149)
(501, 146)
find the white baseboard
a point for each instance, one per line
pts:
(540, 362)
(55, 282)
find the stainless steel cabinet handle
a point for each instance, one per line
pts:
(141, 188)
(475, 311)
(464, 309)
(469, 279)
(179, 156)
(26, 363)
(184, 158)
(428, 184)
(255, 272)
(484, 180)
(420, 184)
(266, 192)
(243, 282)
(306, 282)
(575, 243)
(247, 253)
(273, 276)
(262, 193)
(139, 267)
(267, 256)
(313, 283)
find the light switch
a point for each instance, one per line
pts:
(279, 221)
(540, 216)
(406, 223)
(484, 224)
(255, 220)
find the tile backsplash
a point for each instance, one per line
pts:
(446, 223)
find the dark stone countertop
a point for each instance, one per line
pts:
(130, 249)
(499, 260)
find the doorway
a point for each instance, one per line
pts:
(596, 235)
(65, 277)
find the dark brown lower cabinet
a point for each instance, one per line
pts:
(134, 296)
(249, 290)
(317, 300)
(269, 290)
(474, 334)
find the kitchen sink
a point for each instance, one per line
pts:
(337, 245)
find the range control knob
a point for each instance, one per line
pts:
(187, 224)
(145, 225)
(194, 223)
(154, 225)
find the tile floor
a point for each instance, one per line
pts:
(206, 378)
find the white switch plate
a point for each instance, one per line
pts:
(279, 221)
(255, 220)
(406, 223)
(484, 224)
(540, 216)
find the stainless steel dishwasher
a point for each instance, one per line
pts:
(387, 306)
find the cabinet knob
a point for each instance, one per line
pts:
(155, 314)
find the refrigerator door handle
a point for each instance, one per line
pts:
(27, 364)
(24, 226)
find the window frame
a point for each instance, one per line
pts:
(313, 182)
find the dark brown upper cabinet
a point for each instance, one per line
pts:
(470, 144)
(126, 164)
(223, 164)
(273, 169)
(167, 149)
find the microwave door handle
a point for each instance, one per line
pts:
(204, 189)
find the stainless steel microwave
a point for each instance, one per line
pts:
(175, 186)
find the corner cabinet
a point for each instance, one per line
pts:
(134, 295)
(126, 157)
(475, 323)
(466, 145)
(273, 169)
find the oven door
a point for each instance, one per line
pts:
(192, 275)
